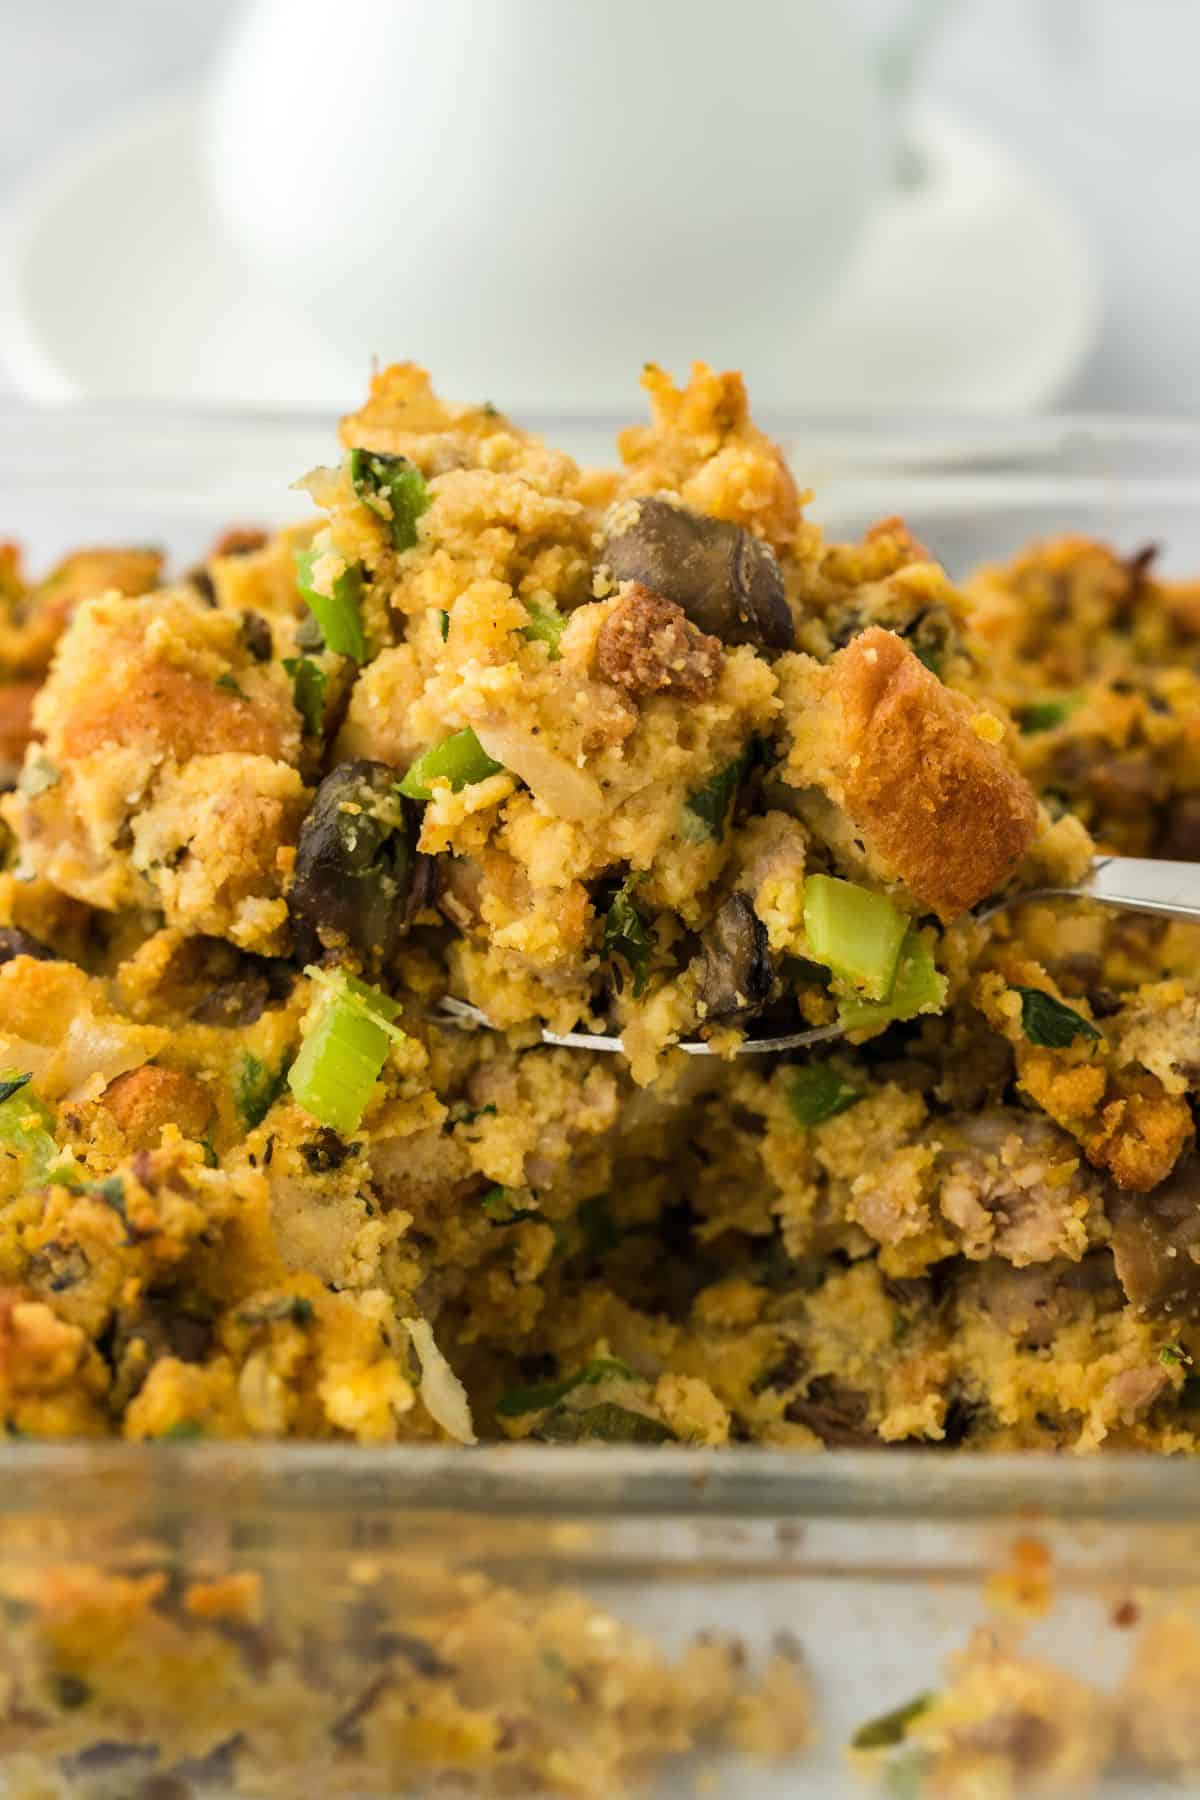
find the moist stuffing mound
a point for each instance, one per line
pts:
(633, 751)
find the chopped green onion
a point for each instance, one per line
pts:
(344, 1049)
(461, 760)
(1171, 1354)
(338, 613)
(919, 987)
(309, 682)
(546, 625)
(256, 1090)
(394, 489)
(891, 1728)
(1048, 1023)
(625, 936)
(517, 1401)
(856, 933)
(607, 1423)
(818, 1092)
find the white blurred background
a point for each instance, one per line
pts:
(1094, 99)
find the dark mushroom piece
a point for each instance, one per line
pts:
(727, 581)
(738, 975)
(15, 942)
(354, 864)
(1179, 834)
(838, 1415)
(1156, 1242)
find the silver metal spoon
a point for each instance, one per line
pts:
(1130, 883)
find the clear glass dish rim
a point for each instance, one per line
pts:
(146, 446)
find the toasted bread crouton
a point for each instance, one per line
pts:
(143, 1100)
(936, 804)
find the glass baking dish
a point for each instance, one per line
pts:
(243, 1619)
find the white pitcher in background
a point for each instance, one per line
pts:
(534, 196)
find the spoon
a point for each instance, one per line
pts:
(1171, 890)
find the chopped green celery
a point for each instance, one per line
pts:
(338, 614)
(461, 760)
(344, 1049)
(27, 1129)
(918, 988)
(855, 933)
(394, 488)
(546, 625)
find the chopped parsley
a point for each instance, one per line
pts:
(229, 683)
(256, 1089)
(626, 938)
(309, 682)
(891, 1728)
(500, 1205)
(518, 1401)
(1171, 1355)
(1048, 1023)
(817, 1092)
(443, 623)
(706, 812)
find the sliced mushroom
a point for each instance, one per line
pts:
(1156, 1242)
(354, 864)
(738, 975)
(727, 581)
(15, 942)
(838, 1415)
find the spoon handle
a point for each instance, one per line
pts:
(1145, 884)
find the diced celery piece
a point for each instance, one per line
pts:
(461, 760)
(546, 625)
(338, 613)
(394, 488)
(344, 1049)
(27, 1130)
(855, 933)
(918, 988)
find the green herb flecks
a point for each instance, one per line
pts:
(503, 1207)
(818, 1092)
(627, 941)
(1048, 1023)
(394, 489)
(182, 1431)
(230, 684)
(706, 812)
(518, 1401)
(443, 619)
(309, 682)
(256, 1089)
(891, 1728)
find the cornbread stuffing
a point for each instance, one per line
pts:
(635, 752)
